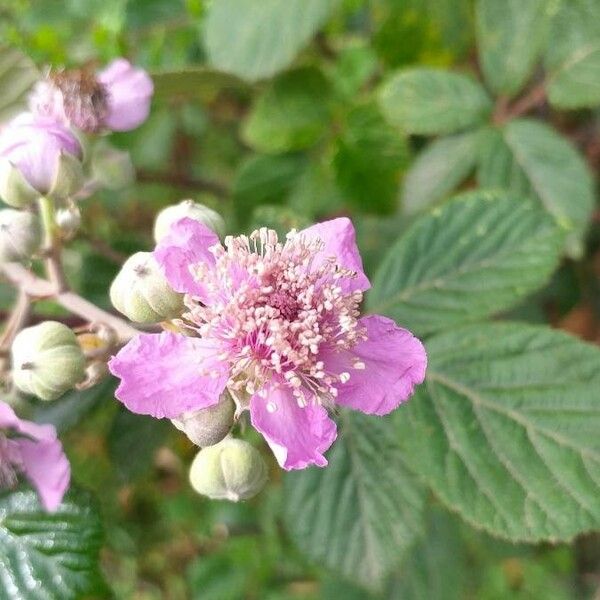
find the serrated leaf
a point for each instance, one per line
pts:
(510, 35)
(292, 113)
(255, 40)
(573, 57)
(531, 154)
(505, 431)
(438, 170)
(17, 76)
(474, 256)
(49, 556)
(369, 158)
(358, 515)
(192, 83)
(433, 101)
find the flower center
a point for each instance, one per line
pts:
(84, 98)
(273, 308)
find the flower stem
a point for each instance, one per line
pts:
(52, 246)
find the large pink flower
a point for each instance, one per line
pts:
(34, 451)
(117, 98)
(278, 325)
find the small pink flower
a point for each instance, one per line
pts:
(278, 325)
(34, 144)
(34, 451)
(116, 98)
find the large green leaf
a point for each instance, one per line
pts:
(436, 172)
(573, 56)
(432, 101)
(529, 154)
(505, 429)
(477, 254)
(257, 39)
(370, 156)
(510, 34)
(361, 513)
(17, 76)
(49, 556)
(292, 114)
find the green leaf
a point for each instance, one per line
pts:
(505, 431)
(292, 114)
(49, 556)
(192, 83)
(17, 76)
(255, 40)
(510, 35)
(362, 512)
(474, 256)
(438, 170)
(531, 155)
(432, 101)
(573, 56)
(369, 159)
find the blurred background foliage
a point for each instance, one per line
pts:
(281, 124)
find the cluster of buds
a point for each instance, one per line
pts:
(224, 468)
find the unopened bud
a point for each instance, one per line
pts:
(191, 210)
(232, 470)
(112, 168)
(47, 360)
(20, 235)
(208, 426)
(141, 292)
(68, 220)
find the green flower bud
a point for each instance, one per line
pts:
(14, 188)
(191, 210)
(68, 179)
(141, 292)
(208, 426)
(68, 220)
(47, 360)
(20, 235)
(232, 470)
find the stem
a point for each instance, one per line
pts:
(37, 288)
(505, 112)
(52, 246)
(16, 321)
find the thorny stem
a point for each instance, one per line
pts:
(37, 288)
(52, 246)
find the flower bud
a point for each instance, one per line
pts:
(232, 470)
(208, 426)
(141, 292)
(47, 360)
(68, 220)
(20, 235)
(191, 210)
(38, 157)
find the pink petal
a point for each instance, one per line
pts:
(340, 241)
(394, 362)
(297, 436)
(187, 244)
(44, 462)
(130, 90)
(47, 468)
(166, 374)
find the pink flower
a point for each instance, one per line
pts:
(34, 451)
(278, 325)
(116, 98)
(34, 145)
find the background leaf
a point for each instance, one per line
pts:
(475, 255)
(438, 169)
(432, 101)
(49, 555)
(510, 35)
(18, 73)
(362, 512)
(291, 114)
(505, 429)
(256, 40)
